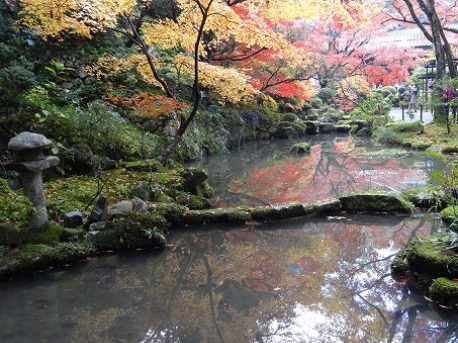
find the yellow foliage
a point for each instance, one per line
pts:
(230, 84)
(84, 18)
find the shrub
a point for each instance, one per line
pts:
(415, 127)
(290, 117)
(14, 207)
(326, 94)
(100, 128)
(387, 135)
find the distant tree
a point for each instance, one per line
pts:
(433, 19)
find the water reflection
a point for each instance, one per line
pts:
(265, 172)
(301, 280)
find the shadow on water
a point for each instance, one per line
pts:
(267, 173)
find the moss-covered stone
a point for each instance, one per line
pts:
(265, 213)
(417, 145)
(445, 292)
(343, 128)
(205, 190)
(328, 206)
(400, 269)
(449, 216)
(51, 234)
(193, 202)
(435, 199)
(220, 215)
(10, 235)
(376, 203)
(132, 230)
(402, 126)
(25, 259)
(300, 148)
(311, 127)
(70, 252)
(287, 129)
(450, 149)
(432, 257)
(326, 128)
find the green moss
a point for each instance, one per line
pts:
(205, 190)
(34, 249)
(131, 231)
(69, 252)
(444, 291)
(289, 117)
(450, 149)
(287, 129)
(430, 256)
(265, 213)
(51, 234)
(221, 215)
(402, 126)
(400, 269)
(193, 202)
(300, 148)
(145, 165)
(376, 203)
(417, 145)
(10, 235)
(449, 217)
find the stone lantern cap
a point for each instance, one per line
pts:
(28, 152)
(27, 141)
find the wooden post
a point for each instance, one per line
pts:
(421, 112)
(402, 110)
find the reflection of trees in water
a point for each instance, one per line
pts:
(262, 284)
(410, 305)
(267, 173)
(352, 171)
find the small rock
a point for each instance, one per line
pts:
(193, 178)
(99, 212)
(139, 205)
(73, 219)
(142, 190)
(120, 207)
(97, 226)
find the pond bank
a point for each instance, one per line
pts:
(134, 230)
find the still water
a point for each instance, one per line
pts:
(265, 172)
(312, 279)
(301, 280)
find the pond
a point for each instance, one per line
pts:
(310, 279)
(301, 280)
(265, 172)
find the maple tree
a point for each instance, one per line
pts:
(434, 19)
(183, 34)
(231, 50)
(346, 57)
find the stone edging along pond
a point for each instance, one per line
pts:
(139, 230)
(134, 230)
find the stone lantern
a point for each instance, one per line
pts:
(29, 161)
